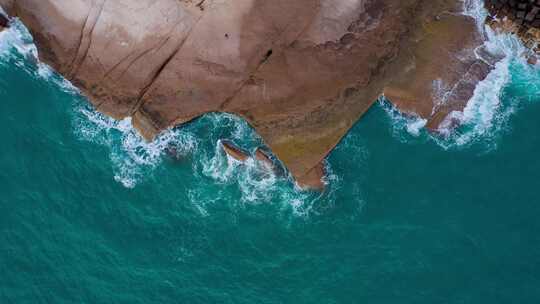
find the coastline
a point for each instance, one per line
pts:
(303, 135)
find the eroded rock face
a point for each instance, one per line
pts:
(300, 72)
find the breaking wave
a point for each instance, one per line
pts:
(487, 113)
(17, 48)
(402, 125)
(132, 157)
(134, 161)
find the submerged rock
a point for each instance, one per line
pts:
(300, 72)
(234, 151)
(174, 153)
(4, 22)
(532, 60)
(265, 159)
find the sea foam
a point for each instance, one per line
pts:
(132, 157)
(485, 115)
(133, 160)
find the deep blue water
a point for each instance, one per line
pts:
(89, 213)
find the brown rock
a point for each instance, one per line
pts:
(234, 151)
(313, 179)
(300, 72)
(264, 158)
(532, 60)
(444, 70)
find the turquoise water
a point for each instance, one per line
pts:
(89, 213)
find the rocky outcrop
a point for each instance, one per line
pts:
(264, 158)
(524, 13)
(300, 72)
(234, 152)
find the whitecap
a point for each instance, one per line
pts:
(479, 116)
(133, 159)
(485, 115)
(17, 43)
(412, 124)
(132, 156)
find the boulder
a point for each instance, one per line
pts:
(4, 22)
(521, 17)
(300, 72)
(264, 158)
(532, 60)
(234, 152)
(314, 179)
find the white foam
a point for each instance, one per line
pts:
(133, 159)
(219, 166)
(130, 154)
(18, 38)
(484, 114)
(478, 117)
(412, 124)
(257, 183)
(17, 47)
(476, 10)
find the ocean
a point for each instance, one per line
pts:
(91, 213)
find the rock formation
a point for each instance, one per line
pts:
(300, 72)
(264, 158)
(518, 17)
(524, 13)
(234, 152)
(4, 22)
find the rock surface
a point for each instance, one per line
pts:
(300, 72)
(234, 152)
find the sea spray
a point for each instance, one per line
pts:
(412, 124)
(438, 225)
(134, 160)
(17, 47)
(485, 116)
(131, 155)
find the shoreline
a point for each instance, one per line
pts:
(300, 132)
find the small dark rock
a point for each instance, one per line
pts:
(4, 21)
